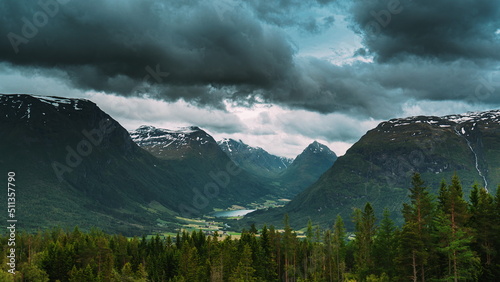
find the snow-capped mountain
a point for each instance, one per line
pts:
(318, 148)
(254, 159)
(79, 165)
(471, 118)
(197, 157)
(378, 168)
(472, 127)
(316, 153)
(174, 144)
(24, 107)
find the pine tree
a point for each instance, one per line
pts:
(474, 199)
(141, 275)
(188, 263)
(463, 264)
(289, 250)
(328, 256)
(127, 274)
(244, 272)
(365, 232)
(338, 251)
(268, 259)
(317, 257)
(482, 222)
(31, 272)
(253, 229)
(385, 246)
(415, 238)
(454, 236)
(496, 237)
(306, 248)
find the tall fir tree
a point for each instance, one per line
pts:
(416, 239)
(482, 221)
(289, 250)
(453, 235)
(339, 249)
(244, 272)
(365, 232)
(385, 246)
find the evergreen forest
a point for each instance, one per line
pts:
(444, 238)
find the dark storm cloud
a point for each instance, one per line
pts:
(444, 29)
(205, 52)
(192, 50)
(100, 43)
(290, 13)
(339, 127)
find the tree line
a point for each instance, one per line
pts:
(443, 238)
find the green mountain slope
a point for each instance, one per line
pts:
(215, 180)
(379, 166)
(288, 177)
(307, 167)
(75, 165)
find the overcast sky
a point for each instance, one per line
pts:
(276, 74)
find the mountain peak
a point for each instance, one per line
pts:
(446, 121)
(180, 130)
(173, 144)
(253, 159)
(26, 106)
(317, 148)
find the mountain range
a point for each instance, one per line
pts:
(289, 176)
(254, 159)
(215, 180)
(379, 166)
(76, 165)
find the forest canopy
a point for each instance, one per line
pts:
(443, 238)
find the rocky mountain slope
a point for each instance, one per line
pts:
(254, 159)
(195, 156)
(379, 166)
(288, 177)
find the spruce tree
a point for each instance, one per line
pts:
(416, 243)
(454, 237)
(385, 246)
(482, 219)
(365, 231)
(339, 246)
(289, 250)
(244, 272)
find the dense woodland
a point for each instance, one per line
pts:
(444, 238)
